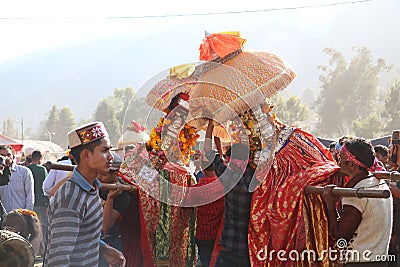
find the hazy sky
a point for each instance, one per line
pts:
(26, 26)
(297, 30)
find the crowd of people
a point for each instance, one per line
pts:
(82, 225)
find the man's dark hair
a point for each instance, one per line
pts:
(332, 144)
(343, 139)
(362, 150)
(5, 147)
(63, 158)
(76, 151)
(36, 155)
(381, 149)
(128, 147)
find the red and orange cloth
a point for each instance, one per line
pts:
(220, 45)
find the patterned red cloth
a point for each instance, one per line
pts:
(278, 220)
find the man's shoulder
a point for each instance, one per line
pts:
(36, 166)
(22, 169)
(70, 189)
(367, 182)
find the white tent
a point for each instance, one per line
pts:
(50, 150)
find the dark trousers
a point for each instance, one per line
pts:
(205, 248)
(42, 214)
(226, 259)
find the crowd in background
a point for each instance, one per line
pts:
(31, 186)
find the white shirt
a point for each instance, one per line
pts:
(19, 192)
(373, 233)
(54, 177)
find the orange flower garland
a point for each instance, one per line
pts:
(252, 130)
(187, 138)
(27, 212)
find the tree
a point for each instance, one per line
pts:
(391, 113)
(9, 129)
(52, 120)
(106, 113)
(290, 109)
(348, 91)
(131, 108)
(57, 126)
(128, 107)
(66, 124)
(308, 96)
(369, 127)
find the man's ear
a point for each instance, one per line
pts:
(354, 166)
(85, 154)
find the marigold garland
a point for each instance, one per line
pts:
(253, 132)
(26, 212)
(187, 138)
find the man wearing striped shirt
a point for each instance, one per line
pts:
(75, 211)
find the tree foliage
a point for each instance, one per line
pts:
(66, 124)
(106, 113)
(119, 110)
(290, 109)
(391, 113)
(369, 127)
(9, 129)
(348, 92)
(53, 120)
(59, 122)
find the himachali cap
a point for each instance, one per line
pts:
(396, 137)
(86, 134)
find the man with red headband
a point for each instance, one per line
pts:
(363, 227)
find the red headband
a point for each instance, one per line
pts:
(351, 157)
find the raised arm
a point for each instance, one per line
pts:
(59, 184)
(218, 145)
(49, 182)
(209, 136)
(110, 215)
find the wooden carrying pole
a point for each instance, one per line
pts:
(338, 191)
(388, 176)
(349, 192)
(124, 187)
(63, 167)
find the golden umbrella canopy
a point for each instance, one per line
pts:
(234, 80)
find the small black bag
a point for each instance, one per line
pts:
(5, 177)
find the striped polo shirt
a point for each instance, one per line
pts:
(75, 220)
